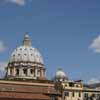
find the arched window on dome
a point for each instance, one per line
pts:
(18, 54)
(25, 54)
(25, 49)
(20, 48)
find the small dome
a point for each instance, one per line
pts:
(60, 74)
(26, 53)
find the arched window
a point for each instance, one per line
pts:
(25, 71)
(17, 71)
(31, 71)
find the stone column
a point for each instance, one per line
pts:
(35, 72)
(20, 71)
(14, 71)
(41, 72)
(8, 71)
(28, 72)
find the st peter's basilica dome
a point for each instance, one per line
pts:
(26, 62)
(26, 53)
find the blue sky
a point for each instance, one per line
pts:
(65, 31)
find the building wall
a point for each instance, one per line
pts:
(13, 99)
(87, 93)
(10, 90)
(72, 90)
(73, 95)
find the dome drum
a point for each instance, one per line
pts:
(26, 72)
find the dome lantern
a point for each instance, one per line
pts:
(27, 40)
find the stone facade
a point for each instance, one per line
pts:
(27, 90)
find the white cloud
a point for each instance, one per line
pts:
(19, 2)
(93, 81)
(2, 46)
(96, 45)
(2, 69)
(3, 65)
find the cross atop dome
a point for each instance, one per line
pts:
(27, 40)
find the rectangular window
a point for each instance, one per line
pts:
(85, 95)
(66, 93)
(71, 84)
(79, 94)
(73, 94)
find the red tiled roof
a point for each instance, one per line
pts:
(28, 96)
